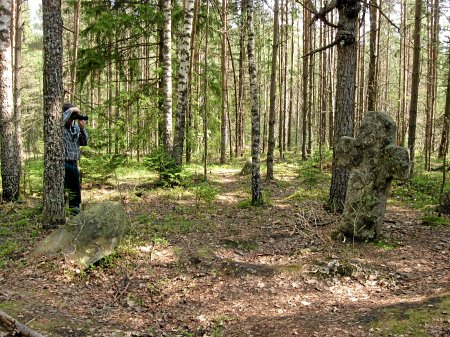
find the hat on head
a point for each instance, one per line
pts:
(68, 109)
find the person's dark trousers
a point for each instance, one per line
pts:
(72, 184)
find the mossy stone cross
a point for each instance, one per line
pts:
(373, 161)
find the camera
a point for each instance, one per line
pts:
(77, 116)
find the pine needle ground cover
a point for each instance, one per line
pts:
(195, 262)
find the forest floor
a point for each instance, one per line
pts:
(192, 266)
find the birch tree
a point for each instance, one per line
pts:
(167, 76)
(256, 175)
(9, 151)
(183, 85)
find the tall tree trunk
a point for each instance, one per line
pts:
(205, 99)
(19, 26)
(167, 77)
(372, 86)
(240, 115)
(190, 79)
(415, 84)
(183, 85)
(256, 176)
(291, 85)
(9, 150)
(76, 30)
(443, 147)
(345, 94)
(224, 107)
(53, 212)
(273, 91)
(305, 81)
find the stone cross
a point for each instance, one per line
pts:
(373, 161)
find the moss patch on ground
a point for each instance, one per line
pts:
(413, 319)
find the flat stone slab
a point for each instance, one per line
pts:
(89, 236)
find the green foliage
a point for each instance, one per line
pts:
(411, 319)
(170, 174)
(33, 174)
(303, 194)
(385, 245)
(7, 248)
(205, 192)
(99, 168)
(433, 220)
(311, 176)
(18, 227)
(173, 224)
(420, 191)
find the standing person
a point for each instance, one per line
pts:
(75, 135)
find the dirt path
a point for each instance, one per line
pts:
(225, 269)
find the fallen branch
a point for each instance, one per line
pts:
(14, 325)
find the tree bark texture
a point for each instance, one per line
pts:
(372, 76)
(273, 91)
(9, 150)
(446, 127)
(305, 81)
(183, 85)
(345, 94)
(256, 175)
(415, 84)
(53, 212)
(167, 77)
(224, 107)
(19, 28)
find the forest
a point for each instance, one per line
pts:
(249, 168)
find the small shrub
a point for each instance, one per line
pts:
(170, 174)
(204, 192)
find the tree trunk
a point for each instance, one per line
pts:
(240, 115)
(415, 84)
(224, 107)
(205, 99)
(273, 90)
(53, 212)
(183, 85)
(19, 26)
(9, 151)
(76, 30)
(190, 116)
(305, 81)
(256, 176)
(372, 86)
(167, 77)
(446, 127)
(345, 94)
(291, 85)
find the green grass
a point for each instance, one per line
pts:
(412, 320)
(421, 191)
(433, 220)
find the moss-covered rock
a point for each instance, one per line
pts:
(88, 237)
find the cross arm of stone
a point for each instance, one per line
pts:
(346, 152)
(397, 162)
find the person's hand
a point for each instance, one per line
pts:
(81, 123)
